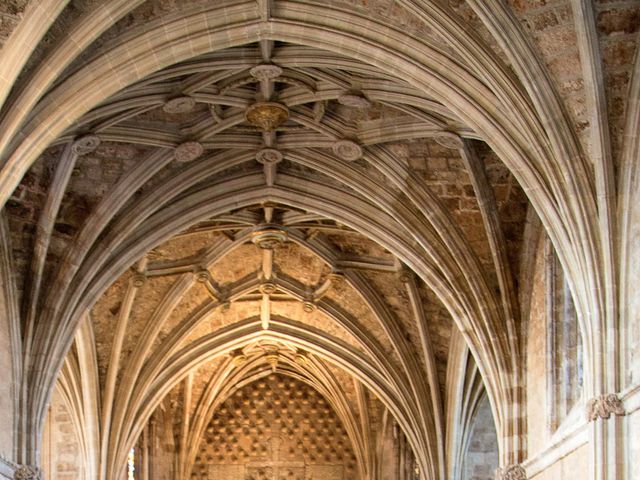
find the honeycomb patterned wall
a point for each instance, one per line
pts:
(276, 428)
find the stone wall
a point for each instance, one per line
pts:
(573, 465)
(162, 444)
(632, 427)
(537, 409)
(6, 385)
(276, 428)
(630, 331)
(61, 456)
(481, 455)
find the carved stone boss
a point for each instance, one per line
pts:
(26, 472)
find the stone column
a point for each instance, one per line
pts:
(604, 413)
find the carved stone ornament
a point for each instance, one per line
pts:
(266, 72)
(301, 358)
(603, 406)
(179, 105)
(354, 100)
(188, 151)
(269, 237)
(203, 276)
(267, 116)
(238, 357)
(269, 156)
(449, 140)
(139, 279)
(85, 144)
(347, 150)
(26, 472)
(512, 472)
(268, 288)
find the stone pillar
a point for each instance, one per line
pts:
(604, 412)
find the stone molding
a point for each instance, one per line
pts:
(511, 472)
(603, 406)
(354, 100)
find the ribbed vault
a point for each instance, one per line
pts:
(289, 191)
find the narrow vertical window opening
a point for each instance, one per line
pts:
(131, 462)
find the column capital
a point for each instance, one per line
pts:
(511, 472)
(27, 472)
(603, 406)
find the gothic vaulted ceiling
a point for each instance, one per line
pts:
(222, 198)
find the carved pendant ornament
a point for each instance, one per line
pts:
(604, 406)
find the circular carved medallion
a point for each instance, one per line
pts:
(188, 151)
(267, 116)
(179, 105)
(269, 156)
(266, 72)
(85, 144)
(347, 150)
